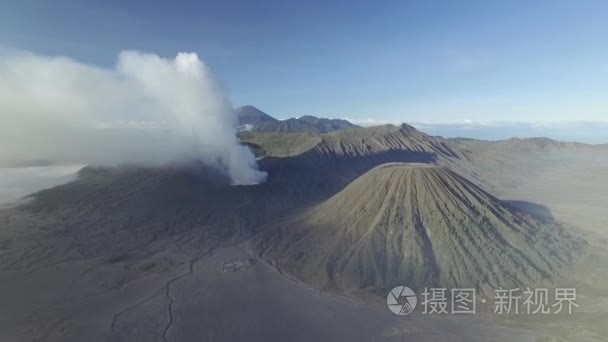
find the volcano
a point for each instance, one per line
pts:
(419, 225)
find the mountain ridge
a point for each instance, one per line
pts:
(420, 225)
(253, 119)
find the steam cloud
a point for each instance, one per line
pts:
(147, 110)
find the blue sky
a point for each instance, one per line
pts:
(431, 62)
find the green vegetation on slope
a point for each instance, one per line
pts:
(279, 144)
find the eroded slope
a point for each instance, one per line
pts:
(419, 225)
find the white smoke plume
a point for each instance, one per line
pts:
(147, 110)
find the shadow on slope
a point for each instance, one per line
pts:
(109, 212)
(532, 208)
(420, 225)
(138, 211)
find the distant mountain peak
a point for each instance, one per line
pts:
(256, 120)
(250, 115)
(406, 127)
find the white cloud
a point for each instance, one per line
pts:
(17, 182)
(367, 122)
(147, 110)
(594, 132)
(581, 131)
